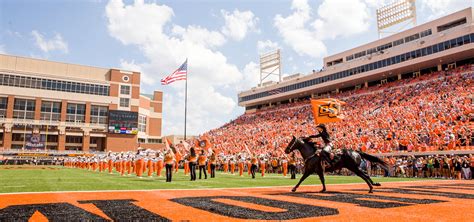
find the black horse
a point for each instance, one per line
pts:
(349, 159)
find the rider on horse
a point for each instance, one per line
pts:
(327, 148)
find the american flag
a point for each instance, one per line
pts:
(180, 74)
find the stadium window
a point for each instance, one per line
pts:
(429, 50)
(453, 43)
(394, 60)
(53, 84)
(86, 88)
(99, 114)
(423, 52)
(398, 42)
(466, 39)
(124, 102)
(75, 112)
(417, 53)
(3, 106)
(416, 36)
(124, 89)
(24, 109)
(441, 47)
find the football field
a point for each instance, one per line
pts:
(44, 193)
(15, 179)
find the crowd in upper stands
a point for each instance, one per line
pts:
(430, 112)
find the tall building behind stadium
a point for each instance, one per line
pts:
(59, 106)
(444, 43)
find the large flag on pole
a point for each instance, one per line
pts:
(327, 110)
(180, 74)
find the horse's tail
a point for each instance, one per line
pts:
(373, 159)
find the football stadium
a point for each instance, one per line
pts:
(383, 131)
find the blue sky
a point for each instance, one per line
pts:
(221, 39)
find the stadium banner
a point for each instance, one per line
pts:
(327, 110)
(34, 141)
(123, 122)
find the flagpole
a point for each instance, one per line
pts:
(186, 99)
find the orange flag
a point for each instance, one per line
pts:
(203, 143)
(327, 110)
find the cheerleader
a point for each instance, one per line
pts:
(213, 161)
(169, 163)
(202, 164)
(192, 163)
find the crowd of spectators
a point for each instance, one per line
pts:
(432, 112)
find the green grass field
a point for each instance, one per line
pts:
(45, 178)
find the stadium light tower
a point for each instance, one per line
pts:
(270, 65)
(396, 13)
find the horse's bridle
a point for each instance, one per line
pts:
(292, 145)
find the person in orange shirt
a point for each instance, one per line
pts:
(178, 159)
(263, 165)
(159, 163)
(110, 162)
(149, 163)
(232, 164)
(128, 163)
(212, 162)
(292, 165)
(284, 165)
(202, 159)
(253, 167)
(241, 162)
(226, 164)
(122, 164)
(139, 163)
(186, 167)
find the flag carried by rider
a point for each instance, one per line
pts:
(327, 110)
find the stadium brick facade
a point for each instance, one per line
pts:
(69, 105)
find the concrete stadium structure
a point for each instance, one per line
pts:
(433, 46)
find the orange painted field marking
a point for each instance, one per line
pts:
(447, 202)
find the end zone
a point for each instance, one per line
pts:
(421, 201)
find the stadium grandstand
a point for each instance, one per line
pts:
(411, 91)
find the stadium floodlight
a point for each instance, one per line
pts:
(395, 13)
(270, 65)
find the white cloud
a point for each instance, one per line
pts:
(266, 46)
(339, 18)
(2, 49)
(144, 25)
(306, 32)
(438, 8)
(251, 76)
(292, 28)
(200, 36)
(47, 45)
(238, 24)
